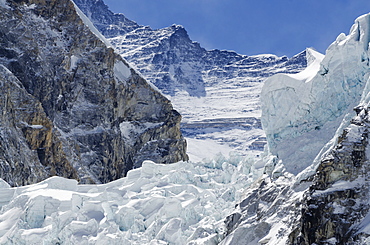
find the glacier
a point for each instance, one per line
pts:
(181, 203)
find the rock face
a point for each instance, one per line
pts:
(191, 75)
(88, 114)
(338, 200)
(30, 148)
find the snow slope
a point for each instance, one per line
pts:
(182, 203)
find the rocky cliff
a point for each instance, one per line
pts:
(73, 107)
(337, 204)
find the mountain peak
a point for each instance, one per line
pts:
(177, 27)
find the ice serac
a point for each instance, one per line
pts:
(82, 99)
(182, 203)
(301, 112)
(316, 186)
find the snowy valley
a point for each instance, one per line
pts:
(98, 119)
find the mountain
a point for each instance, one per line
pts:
(310, 186)
(72, 106)
(216, 92)
(315, 187)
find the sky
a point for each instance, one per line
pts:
(281, 27)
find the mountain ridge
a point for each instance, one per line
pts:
(190, 75)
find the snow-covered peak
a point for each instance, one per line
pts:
(177, 27)
(313, 56)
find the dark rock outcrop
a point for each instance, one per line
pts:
(338, 200)
(30, 148)
(93, 112)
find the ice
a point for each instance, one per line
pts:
(302, 114)
(154, 204)
(122, 71)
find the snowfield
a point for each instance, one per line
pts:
(181, 203)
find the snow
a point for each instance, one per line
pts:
(161, 204)
(34, 126)
(131, 130)
(314, 59)
(199, 150)
(74, 61)
(122, 71)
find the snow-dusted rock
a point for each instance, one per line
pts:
(71, 94)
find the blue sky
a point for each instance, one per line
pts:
(282, 27)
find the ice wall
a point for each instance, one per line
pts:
(302, 112)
